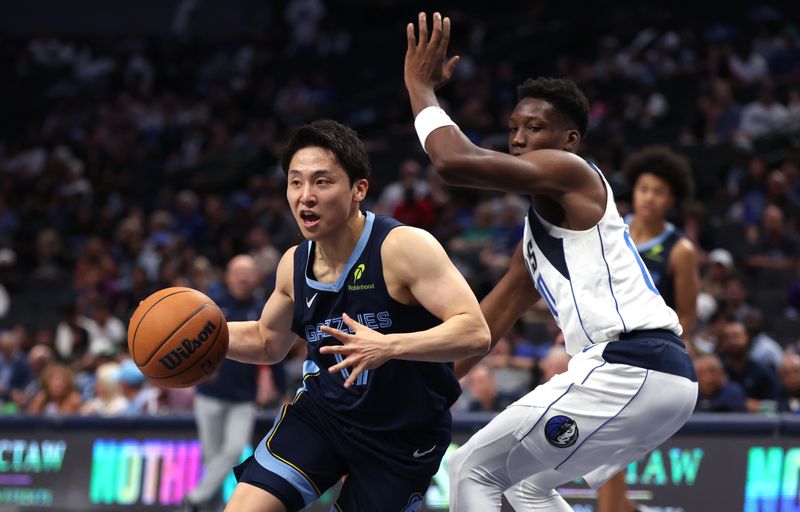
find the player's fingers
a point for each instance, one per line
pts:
(423, 30)
(342, 365)
(354, 373)
(446, 31)
(336, 333)
(436, 28)
(352, 324)
(333, 349)
(412, 40)
(450, 67)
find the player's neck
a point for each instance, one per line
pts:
(643, 230)
(334, 251)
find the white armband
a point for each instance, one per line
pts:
(429, 119)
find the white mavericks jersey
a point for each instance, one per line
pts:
(594, 281)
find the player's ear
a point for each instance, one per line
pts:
(572, 140)
(360, 188)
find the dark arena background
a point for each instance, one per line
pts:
(139, 149)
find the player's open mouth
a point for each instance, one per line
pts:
(309, 219)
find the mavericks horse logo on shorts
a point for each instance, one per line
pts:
(561, 431)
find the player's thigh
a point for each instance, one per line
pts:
(370, 487)
(248, 498)
(297, 461)
(488, 451)
(390, 470)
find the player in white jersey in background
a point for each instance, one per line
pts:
(630, 383)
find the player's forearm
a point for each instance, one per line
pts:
(246, 344)
(460, 336)
(421, 97)
(688, 322)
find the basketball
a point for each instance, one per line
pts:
(177, 337)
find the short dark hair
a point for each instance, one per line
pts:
(563, 94)
(341, 140)
(665, 163)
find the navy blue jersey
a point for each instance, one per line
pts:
(655, 255)
(399, 394)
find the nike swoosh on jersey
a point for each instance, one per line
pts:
(417, 454)
(311, 300)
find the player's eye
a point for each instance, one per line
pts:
(535, 128)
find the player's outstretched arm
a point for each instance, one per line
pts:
(269, 339)
(417, 271)
(509, 299)
(453, 155)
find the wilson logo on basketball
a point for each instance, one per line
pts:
(187, 347)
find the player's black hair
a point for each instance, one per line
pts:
(567, 99)
(341, 140)
(665, 163)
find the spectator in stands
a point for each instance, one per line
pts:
(72, 339)
(554, 363)
(410, 181)
(142, 399)
(108, 399)
(716, 392)
(789, 374)
(265, 255)
(773, 246)
(415, 211)
(58, 395)
(482, 387)
(107, 333)
(39, 357)
(747, 66)
(719, 268)
(52, 261)
(506, 234)
(15, 374)
(224, 405)
(466, 247)
(764, 115)
(759, 382)
(721, 111)
(763, 348)
(735, 303)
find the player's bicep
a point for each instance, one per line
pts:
(685, 275)
(420, 262)
(275, 324)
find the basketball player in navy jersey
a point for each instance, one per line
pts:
(383, 312)
(630, 383)
(661, 180)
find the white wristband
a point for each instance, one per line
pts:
(429, 119)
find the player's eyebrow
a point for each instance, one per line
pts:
(314, 173)
(527, 118)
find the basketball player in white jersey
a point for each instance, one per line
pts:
(630, 383)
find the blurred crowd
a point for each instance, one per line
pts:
(136, 163)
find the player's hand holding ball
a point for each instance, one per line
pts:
(178, 337)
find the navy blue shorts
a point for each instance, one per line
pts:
(655, 349)
(307, 451)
